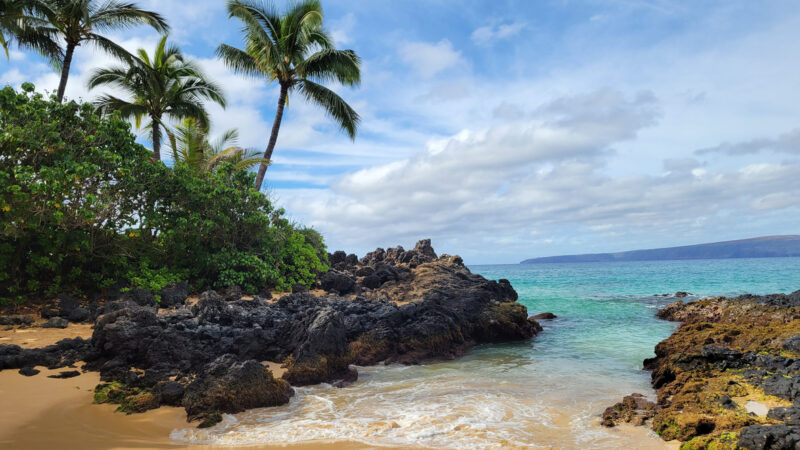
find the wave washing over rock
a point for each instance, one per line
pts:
(728, 378)
(391, 306)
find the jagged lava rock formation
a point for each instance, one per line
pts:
(729, 377)
(391, 306)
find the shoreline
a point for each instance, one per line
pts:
(41, 412)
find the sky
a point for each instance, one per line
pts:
(506, 130)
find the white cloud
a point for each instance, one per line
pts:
(342, 28)
(540, 176)
(490, 34)
(430, 59)
(788, 142)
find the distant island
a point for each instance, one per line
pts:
(759, 247)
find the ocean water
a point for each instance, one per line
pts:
(547, 393)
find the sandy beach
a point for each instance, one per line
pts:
(39, 412)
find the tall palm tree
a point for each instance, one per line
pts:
(294, 50)
(73, 22)
(25, 21)
(164, 85)
(190, 144)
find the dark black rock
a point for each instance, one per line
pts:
(65, 374)
(544, 316)
(174, 294)
(337, 257)
(722, 357)
(787, 414)
(372, 282)
(66, 304)
(338, 282)
(364, 271)
(56, 322)
(29, 371)
(299, 288)
(47, 313)
(79, 315)
(141, 297)
(231, 387)
(727, 402)
(232, 293)
(792, 344)
(16, 320)
(63, 353)
(769, 437)
(172, 393)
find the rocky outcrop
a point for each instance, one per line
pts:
(64, 353)
(634, 409)
(730, 359)
(391, 305)
(229, 386)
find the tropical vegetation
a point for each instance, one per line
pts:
(190, 144)
(296, 51)
(85, 208)
(165, 84)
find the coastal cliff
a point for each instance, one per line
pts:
(728, 377)
(207, 354)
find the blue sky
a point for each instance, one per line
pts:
(513, 129)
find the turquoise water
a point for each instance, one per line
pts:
(545, 393)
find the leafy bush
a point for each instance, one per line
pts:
(82, 205)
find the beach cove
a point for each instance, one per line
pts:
(547, 393)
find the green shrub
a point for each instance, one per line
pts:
(82, 205)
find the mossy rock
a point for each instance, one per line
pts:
(210, 419)
(112, 392)
(139, 403)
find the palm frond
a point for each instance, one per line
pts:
(332, 65)
(115, 15)
(334, 106)
(239, 61)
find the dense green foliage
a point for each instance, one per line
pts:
(82, 206)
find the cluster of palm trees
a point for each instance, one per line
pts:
(291, 48)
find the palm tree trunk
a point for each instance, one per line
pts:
(62, 85)
(276, 126)
(156, 139)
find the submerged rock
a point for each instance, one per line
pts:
(544, 316)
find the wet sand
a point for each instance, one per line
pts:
(39, 412)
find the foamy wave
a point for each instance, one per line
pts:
(423, 406)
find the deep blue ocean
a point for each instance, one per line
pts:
(545, 393)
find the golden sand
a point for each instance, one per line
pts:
(43, 413)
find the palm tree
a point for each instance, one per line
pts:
(73, 22)
(164, 85)
(23, 20)
(297, 52)
(190, 144)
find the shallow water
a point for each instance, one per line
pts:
(544, 393)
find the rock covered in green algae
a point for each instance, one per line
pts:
(729, 352)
